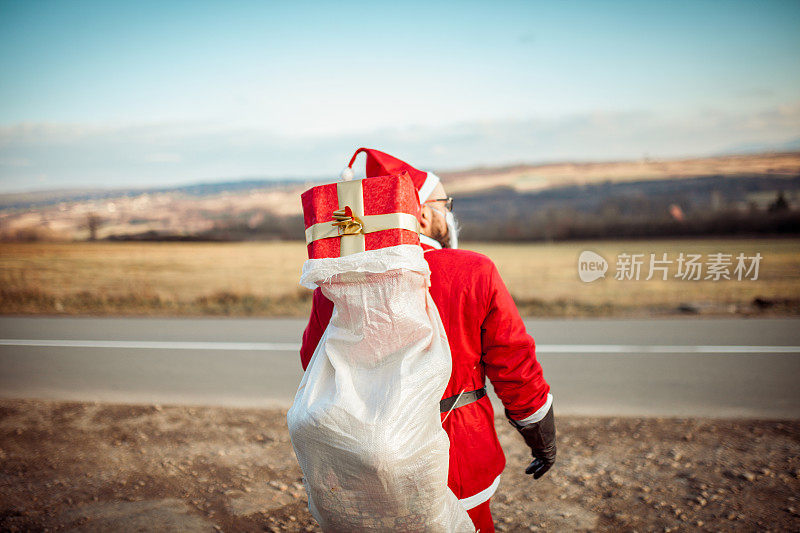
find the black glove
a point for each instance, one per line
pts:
(541, 439)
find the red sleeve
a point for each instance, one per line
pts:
(509, 354)
(321, 310)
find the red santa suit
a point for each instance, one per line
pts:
(487, 338)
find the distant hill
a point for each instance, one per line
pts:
(539, 177)
(727, 194)
(702, 205)
(48, 197)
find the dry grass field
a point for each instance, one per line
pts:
(260, 278)
(544, 276)
(153, 278)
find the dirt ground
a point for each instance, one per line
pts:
(97, 467)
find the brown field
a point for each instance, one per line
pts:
(546, 275)
(260, 279)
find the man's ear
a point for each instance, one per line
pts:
(426, 219)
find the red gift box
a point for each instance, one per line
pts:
(354, 216)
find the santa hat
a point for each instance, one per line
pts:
(382, 164)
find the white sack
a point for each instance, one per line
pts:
(365, 422)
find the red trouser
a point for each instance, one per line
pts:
(482, 518)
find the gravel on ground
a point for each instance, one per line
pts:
(67, 466)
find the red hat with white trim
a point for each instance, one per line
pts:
(382, 164)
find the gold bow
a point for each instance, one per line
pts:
(347, 222)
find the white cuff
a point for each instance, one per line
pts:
(475, 500)
(538, 415)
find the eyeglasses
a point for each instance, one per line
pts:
(448, 202)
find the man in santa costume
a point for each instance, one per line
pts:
(487, 339)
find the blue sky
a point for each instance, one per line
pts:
(143, 93)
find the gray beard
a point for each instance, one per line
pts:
(443, 237)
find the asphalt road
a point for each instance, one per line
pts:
(665, 367)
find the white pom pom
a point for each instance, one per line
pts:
(347, 174)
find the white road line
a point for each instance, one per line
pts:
(157, 345)
(659, 349)
(290, 347)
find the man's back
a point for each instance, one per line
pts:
(485, 330)
(487, 338)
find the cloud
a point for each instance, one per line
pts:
(14, 162)
(163, 157)
(755, 92)
(171, 153)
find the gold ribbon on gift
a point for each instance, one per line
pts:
(352, 229)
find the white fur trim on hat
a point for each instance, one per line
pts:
(430, 241)
(431, 181)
